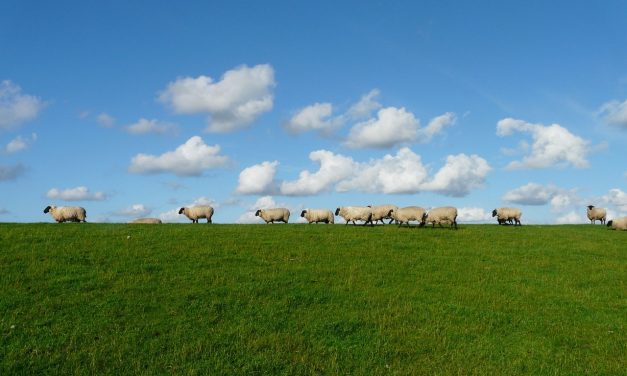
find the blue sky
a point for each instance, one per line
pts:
(138, 109)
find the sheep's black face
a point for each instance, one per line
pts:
(590, 207)
(494, 213)
(390, 212)
(181, 210)
(337, 211)
(257, 213)
(302, 214)
(609, 223)
(47, 209)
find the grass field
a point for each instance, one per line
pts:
(312, 299)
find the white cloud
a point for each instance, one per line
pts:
(240, 97)
(473, 215)
(258, 179)
(532, 194)
(189, 159)
(616, 197)
(75, 194)
(105, 120)
(572, 217)
(135, 211)
(459, 175)
(435, 126)
(366, 106)
(11, 172)
(391, 127)
(18, 144)
(402, 173)
(316, 117)
(553, 145)
(17, 108)
(145, 126)
(615, 113)
(333, 168)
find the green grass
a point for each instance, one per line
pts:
(312, 299)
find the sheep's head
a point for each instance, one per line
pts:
(494, 213)
(257, 212)
(337, 211)
(302, 214)
(49, 208)
(609, 223)
(590, 207)
(181, 210)
(390, 212)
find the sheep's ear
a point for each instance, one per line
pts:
(590, 207)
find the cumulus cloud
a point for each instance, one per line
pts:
(18, 144)
(189, 159)
(238, 99)
(258, 179)
(145, 126)
(615, 113)
(553, 145)
(459, 175)
(391, 127)
(366, 106)
(135, 211)
(81, 193)
(17, 108)
(316, 117)
(11, 172)
(532, 194)
(105, 120)
(400, 173)
(617, 198)
(571, 217)
(436, 126)
(473, 215)
(333, 168)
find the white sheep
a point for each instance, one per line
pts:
(507, 215)
(67, 213)
(618, 223)
(381, 212)
(196, 212)
(318, 215)
(407, 214)
(272, 215)
(355, 213)
(146, 221)
(596, 213)
(446, 214)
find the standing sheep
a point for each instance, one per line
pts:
(67, 213)
(318, 215)
(596, 213)
(381, 212)
(443, 214)
(407, 214)
(504, 215)
(196, 212)
(618, 224)
(271, 215)
(146, 221)
(355, 213)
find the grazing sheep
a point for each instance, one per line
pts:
(355, 213)
(67, 213)
(618, 223)
(508, 215)
(443, 214)
(196, 212)
(596, 213)
(407, 214)
(318, 215)
(271, 215)
(381, 212)
(145, 220)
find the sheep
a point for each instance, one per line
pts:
(67, 213)
(596, 213)
(443, 214)
(508, 215)
(409, 213)
(318, 215)
(618, 224)
(196, 212)
(355, 213)
(271, 215)
(381, 212)
(146, 221)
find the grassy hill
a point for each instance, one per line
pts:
(312, 299)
